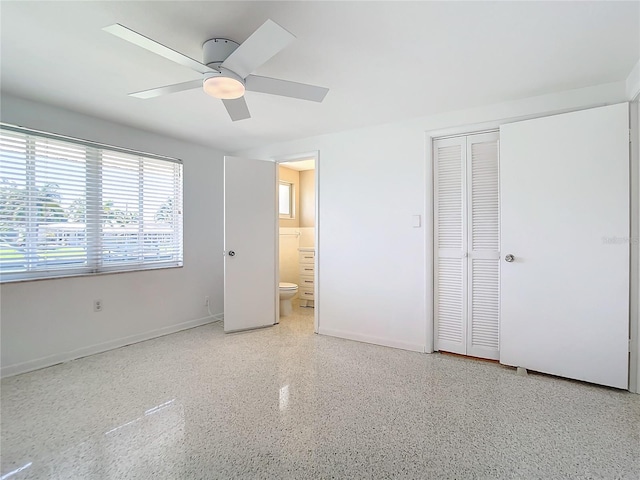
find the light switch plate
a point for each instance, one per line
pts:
(416, 221)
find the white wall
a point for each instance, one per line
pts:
(373, 282)
(47, 321)
(633, 82)
(375, 269)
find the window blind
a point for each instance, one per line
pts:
(71, 207)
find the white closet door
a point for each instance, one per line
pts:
(450, 266)
(484, 246)
(564, 182)
(467, 240)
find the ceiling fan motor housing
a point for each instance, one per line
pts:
(223, 72)
(216, 51)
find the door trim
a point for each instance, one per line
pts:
(634, 228)
(429, 243)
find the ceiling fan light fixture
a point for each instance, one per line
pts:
(227, 67)
(225, 85)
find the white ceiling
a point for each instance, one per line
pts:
(383, 61)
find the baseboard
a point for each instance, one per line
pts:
(385, 342)
(48, 361)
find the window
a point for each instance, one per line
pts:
(285, 200)
(70, 207)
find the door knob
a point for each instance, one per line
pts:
(509, 258)
(232, 253)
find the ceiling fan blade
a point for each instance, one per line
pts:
(155, 47)
(263, 44)
(176, 87)
(285, 88)
(237, 109)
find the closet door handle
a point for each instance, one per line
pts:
(509, 258)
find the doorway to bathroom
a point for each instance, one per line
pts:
(296, 240)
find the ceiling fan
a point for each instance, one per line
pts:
(227, 68)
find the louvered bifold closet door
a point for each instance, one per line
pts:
(450, 266)
(483, 240)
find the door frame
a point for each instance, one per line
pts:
(296, 157)
(634, 254)
(634, 295)
(430, 137)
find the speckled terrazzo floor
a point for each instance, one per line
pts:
(285, 403)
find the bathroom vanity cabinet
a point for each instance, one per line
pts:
(307, 258)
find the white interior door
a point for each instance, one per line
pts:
(466, 242)
(564, 183)
(250, 287)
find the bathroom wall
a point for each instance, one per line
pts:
(289, 243)
(307, 208)
(307, 198)
(293, 177)
(307, 236)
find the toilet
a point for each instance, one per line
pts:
(287, 292)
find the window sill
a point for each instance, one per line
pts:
(87, 274)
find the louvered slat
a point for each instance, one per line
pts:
(485, 307)
(449, 172)
(484, 195)
(450, 300)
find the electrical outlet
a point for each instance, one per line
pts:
(206, 301)
(97, 305)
